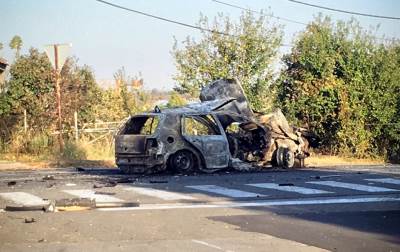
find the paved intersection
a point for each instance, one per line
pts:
(297, 210)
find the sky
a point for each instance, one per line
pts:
(106, 38)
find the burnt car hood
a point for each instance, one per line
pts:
(221, 90)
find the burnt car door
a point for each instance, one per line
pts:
(206, 134)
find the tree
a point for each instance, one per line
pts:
(247, 54)
(1, 46)
(16, 44)
(30, 88)
(176, 100)
(339, 83)
(79, 91)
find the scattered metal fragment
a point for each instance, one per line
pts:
(70, 184)
(286, 184)
(48, 177)
(30, 220)
(104, 193)
(71, 208)
(122, 181)
(75, 202)
(240, 165)
(326, 176)
(80, 169)
(12, 183)
(111, 184)
(117, 204)
(50, 185)
(158, 181)
(13, 208)
(98, 186)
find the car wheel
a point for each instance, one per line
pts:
(284, 157)
(182, 161)
(125, 169)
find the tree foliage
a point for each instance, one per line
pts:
(176, 100)
(16, 44)
(247, 54)
(341, 83)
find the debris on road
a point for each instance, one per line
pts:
(70, 184)
(158, 181)
(117, 204)
(30, 220)
(286, 184)
(11, 183)
(110, 183)
(75, 202)
(326, 176)
(104, 193)
(50, 185)
(240, 165)
(80, 169)
(48, 177)
(15, 208)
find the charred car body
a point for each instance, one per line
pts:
(207, 135)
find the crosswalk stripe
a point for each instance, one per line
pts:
(161, 194)
(225, 191)
(386, 180)
(23, 198)
(296, 189)
(92, 195)
(352, 186)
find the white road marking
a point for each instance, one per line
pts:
(207, 244)
(256, 204)
(225, 191)
(24, 198)
(352, 186)
(386, 180)
(296, 189)
(161, 194)
(91, 194)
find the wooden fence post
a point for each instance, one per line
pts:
(25, 122)
(76, 126)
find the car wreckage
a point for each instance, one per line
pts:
(208, 136)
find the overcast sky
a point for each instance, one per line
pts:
(106, 38)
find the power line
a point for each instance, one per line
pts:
(171, 21)
(289, 20)
(344, 11)
(258, 12)
(162, 18)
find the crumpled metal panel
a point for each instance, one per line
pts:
(227, 89)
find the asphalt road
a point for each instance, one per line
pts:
(340, 209)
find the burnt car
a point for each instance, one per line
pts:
(182, 140)
(207, 136)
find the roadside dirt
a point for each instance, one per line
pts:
(313, 161)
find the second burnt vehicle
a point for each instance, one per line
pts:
(207, 136)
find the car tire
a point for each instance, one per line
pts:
(284, 157)
(182, 161)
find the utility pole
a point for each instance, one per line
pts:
(57, 54)
(58, 95)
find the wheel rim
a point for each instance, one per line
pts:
(288, 158)
(182, 161)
